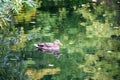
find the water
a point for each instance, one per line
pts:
(80, 49)
(87, 50)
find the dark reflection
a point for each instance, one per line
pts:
(47, 77)
(115, 76)
(117, 37)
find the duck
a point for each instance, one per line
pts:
(50, 47)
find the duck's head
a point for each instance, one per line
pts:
(57, 42)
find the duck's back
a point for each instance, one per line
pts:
(45, 44)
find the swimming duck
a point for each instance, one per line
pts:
(49, 47)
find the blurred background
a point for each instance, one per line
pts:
(88, 29)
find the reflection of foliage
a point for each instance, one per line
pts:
(11, 40)
(38, 74)
(82, 28)
(11, 43)
(98, 20)
(11, 67)
(103, 66)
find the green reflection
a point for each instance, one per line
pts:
(89, 52)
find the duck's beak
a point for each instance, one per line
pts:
(61, 44)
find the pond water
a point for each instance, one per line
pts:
(83, 47)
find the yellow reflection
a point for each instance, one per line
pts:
(38, 74)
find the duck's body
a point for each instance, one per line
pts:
(48, 47)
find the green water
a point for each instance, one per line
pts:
(88, 51)
(84, 54)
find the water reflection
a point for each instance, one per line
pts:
(38, 74)
(84, 48)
